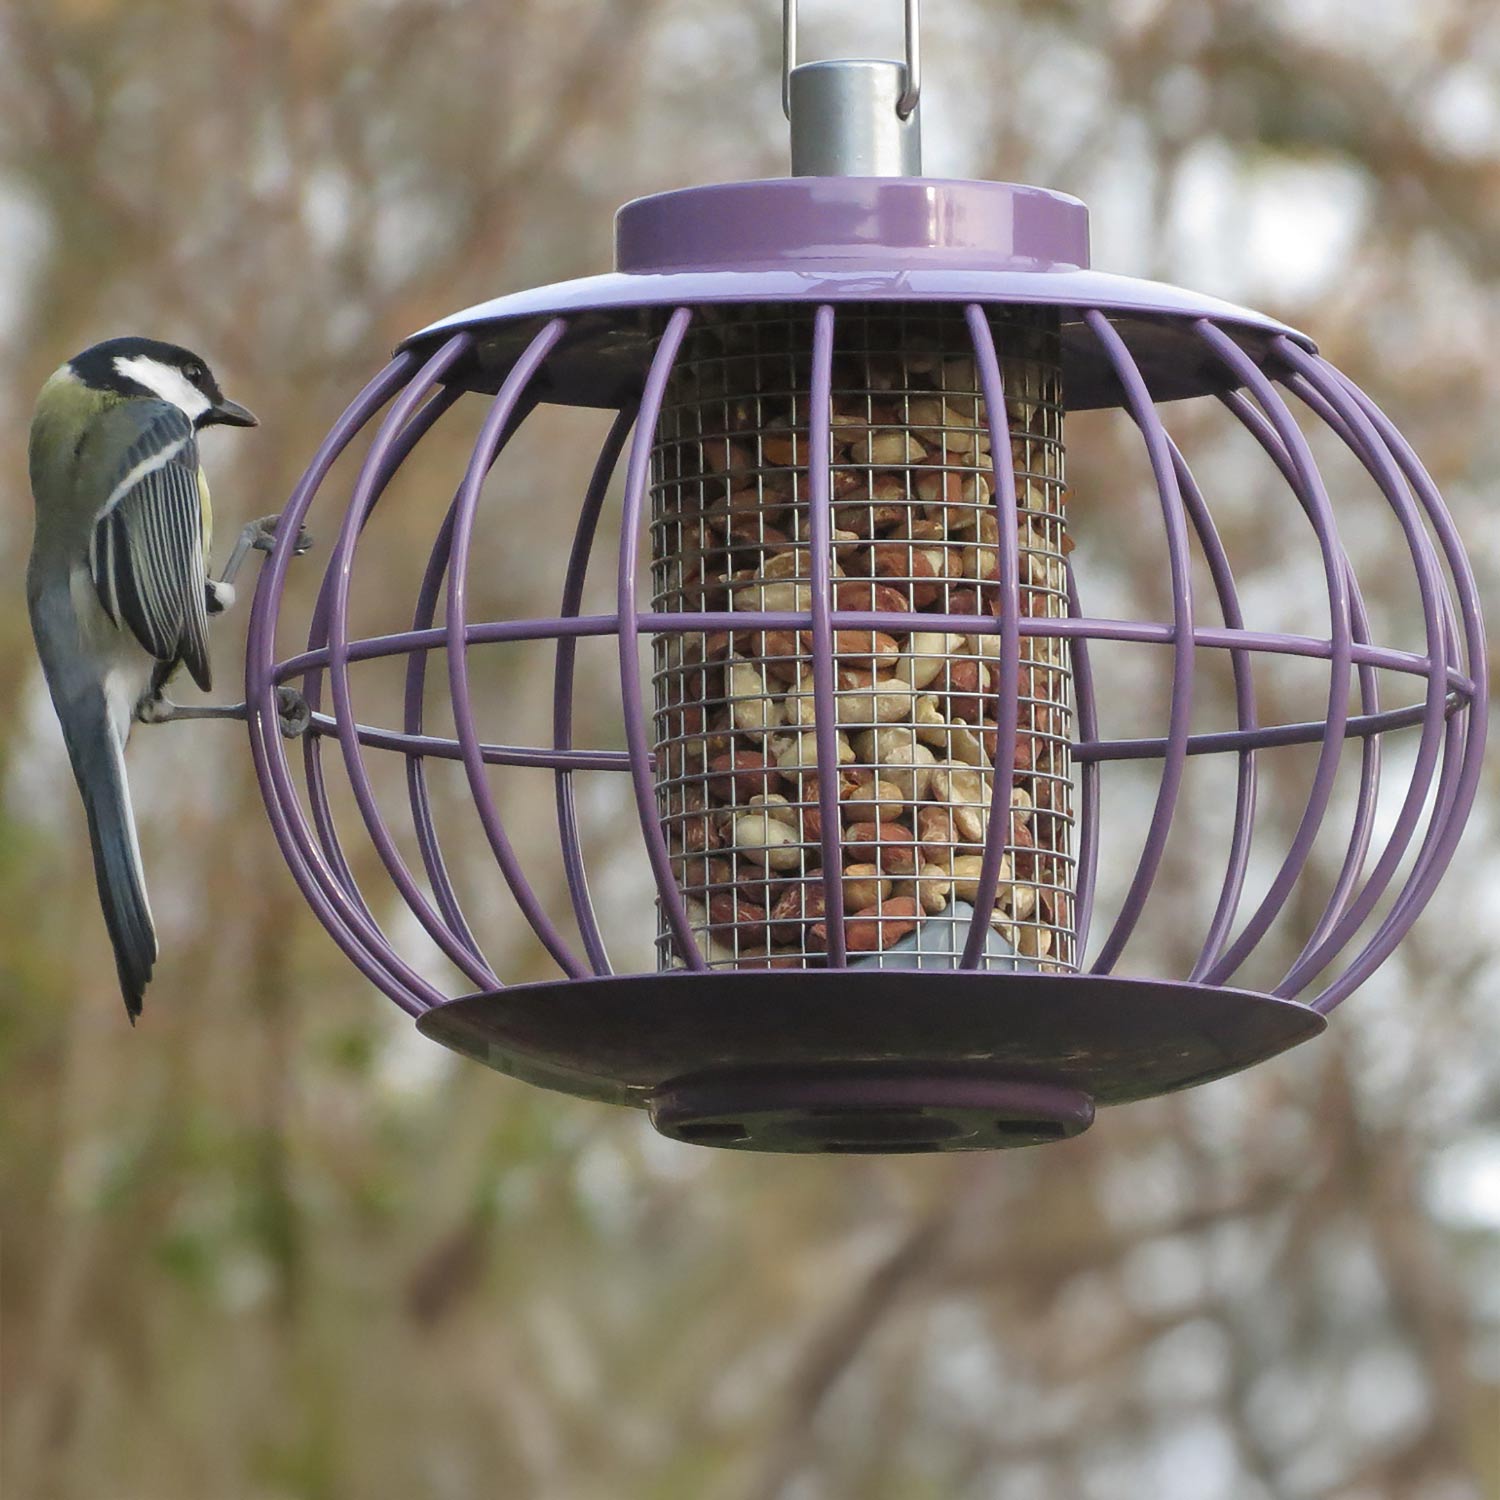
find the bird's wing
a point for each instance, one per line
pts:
(147, 549)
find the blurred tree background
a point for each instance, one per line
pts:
(272, 1246)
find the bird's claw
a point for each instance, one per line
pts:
(263, 537)
(153, 708)
(292, 712)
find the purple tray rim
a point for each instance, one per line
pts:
(616, 1038)
(1072, 291)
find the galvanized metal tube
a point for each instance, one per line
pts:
(847, 121)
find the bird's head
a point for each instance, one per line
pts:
(127, 367)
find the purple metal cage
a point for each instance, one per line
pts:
(834, 1055)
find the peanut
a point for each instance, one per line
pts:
(965, 745)
(753, 502)
(774, 598)
(800, 903)
(870, 596)
(692, 832)
(966, 870)
(764, 840)
(1029, 941)
(933, 885)
(884, 701)
(724, 457)
(889, 846)
(737, 775)
(864, 885)
(903, 760)
(911, 565)
(878, 927)
(1018, 900)
(863, 645)
(936, 835)
(922, 658)
(878, 802)
(727, 912)
(798, 756)
(754, 711)
(966, 793)
(774, 805)
(896, 446)
(779, 449)
(968, 689)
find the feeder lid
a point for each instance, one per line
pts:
(852, 239)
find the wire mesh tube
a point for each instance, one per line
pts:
(914, 538)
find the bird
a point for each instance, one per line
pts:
(118, 586)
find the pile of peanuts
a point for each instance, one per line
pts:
(914, 531)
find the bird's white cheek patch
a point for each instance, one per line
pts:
(164, 381)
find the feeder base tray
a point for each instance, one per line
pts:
(703, 1051)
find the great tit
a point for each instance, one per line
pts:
(118, 583)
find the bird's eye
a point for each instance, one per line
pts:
(195, 373)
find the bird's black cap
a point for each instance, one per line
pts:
(99, 367)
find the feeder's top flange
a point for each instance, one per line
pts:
(852, 240)
(836, 225)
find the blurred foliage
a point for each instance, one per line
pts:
(274, 1247)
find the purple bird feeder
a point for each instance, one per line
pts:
(863, 695)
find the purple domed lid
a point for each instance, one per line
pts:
(852, 240)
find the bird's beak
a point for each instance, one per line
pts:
(227, 413)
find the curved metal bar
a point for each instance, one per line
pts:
(997, 834)
(346, 923)
(1143, 410)
(1085, 752)
(1144, 632)
(1313, 497)
(1262, 737)
(1463, 760)
(1087, 870)
(1326, 397)
(1444, 829)
(1367, 798)
(630, 623)
(317, 636)
(439, 747)
(1238, 861)
(511, 392)
(418, 794)
(820, 559)
(323, 819)
(1372, 721)
(562, 690)
(374, 477)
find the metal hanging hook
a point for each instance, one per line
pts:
(910, 95)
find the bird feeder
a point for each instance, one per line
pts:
(862, 731)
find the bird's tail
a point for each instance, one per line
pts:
(95, 748)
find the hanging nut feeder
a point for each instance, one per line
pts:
(866, 758)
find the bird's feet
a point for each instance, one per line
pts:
(293, 716)
(258, 536)
(292, 712)
(155, 709)
(261, 535)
